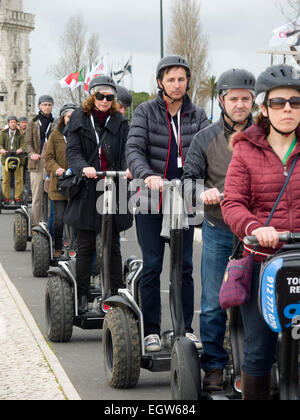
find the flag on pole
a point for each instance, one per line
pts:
(287, 35)
(100, 68)
(127, 69)
(73, 80)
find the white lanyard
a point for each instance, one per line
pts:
(47, 131)
(177, 135)
(12, 138)
(97, 135)
(93, 124)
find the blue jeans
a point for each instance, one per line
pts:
(216, 249)
(153, 246)
(259, 340)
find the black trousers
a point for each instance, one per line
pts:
(58, 225)
(86, 246)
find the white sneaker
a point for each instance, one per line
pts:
(195, 340)
(152, 343)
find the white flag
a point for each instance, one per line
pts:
(287, 35)
(100, 68)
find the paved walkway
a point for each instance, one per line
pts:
(29, 370)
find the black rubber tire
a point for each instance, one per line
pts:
(121, 348)
(40, 255)
(185, 371)
(59, 310)
(20, 232)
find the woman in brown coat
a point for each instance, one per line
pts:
(56, 165)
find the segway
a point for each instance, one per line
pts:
(12, 163)
(279, 304)
(61, 291)
(123, 329)
(186, 380)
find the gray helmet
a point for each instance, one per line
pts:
(172, 61)
(102, 81)
(280, 75)
(66, 108)
(12, 118)
(235, 79)
(124, 96)
(46, 98)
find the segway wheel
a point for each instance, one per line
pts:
(40, 255)
(59, 310)
(121, 348)
(20, 232)
(185, 371)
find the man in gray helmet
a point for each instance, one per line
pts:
(124, 98)
(160, 135)
(37, 134)
(208, 159)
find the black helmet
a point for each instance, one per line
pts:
(172, 61)
(236, 79)
(280, 75)
(46, 98)
(102, 81)
(66, 108)
(124, 96)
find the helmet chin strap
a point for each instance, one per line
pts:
(277, 130)
(234, 123)
(168, 96)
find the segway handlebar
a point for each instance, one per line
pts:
(287, 237)
(109, 174)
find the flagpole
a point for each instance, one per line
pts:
(161, 30)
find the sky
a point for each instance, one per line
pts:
(236, 31)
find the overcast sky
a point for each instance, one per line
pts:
(236, 30)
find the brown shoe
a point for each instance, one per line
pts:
(57, 253)
(213, 380)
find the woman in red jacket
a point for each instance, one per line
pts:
(262, 158)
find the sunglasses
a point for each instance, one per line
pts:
(280, 103)
(101, 97)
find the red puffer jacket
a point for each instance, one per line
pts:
(254, 180)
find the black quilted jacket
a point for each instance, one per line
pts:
(149, 140)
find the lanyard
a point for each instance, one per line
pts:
(177, 135)
(289, 152)
(93, 124)
(12, 138)
(47, 131)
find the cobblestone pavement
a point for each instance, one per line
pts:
(25, 373)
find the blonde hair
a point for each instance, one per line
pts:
(89, 105)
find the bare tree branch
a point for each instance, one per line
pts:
(76, 54)
(186, 39)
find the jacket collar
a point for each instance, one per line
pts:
(187, 105)
(81, 120)
(256, 135)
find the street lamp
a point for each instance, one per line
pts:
(161, 30)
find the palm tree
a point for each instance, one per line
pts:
(209, 89)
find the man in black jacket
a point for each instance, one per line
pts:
(160, 136)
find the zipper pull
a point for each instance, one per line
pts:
(285, 173)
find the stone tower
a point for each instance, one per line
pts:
(17, 95)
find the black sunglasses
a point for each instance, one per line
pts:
(101, 97)
(280, 103)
